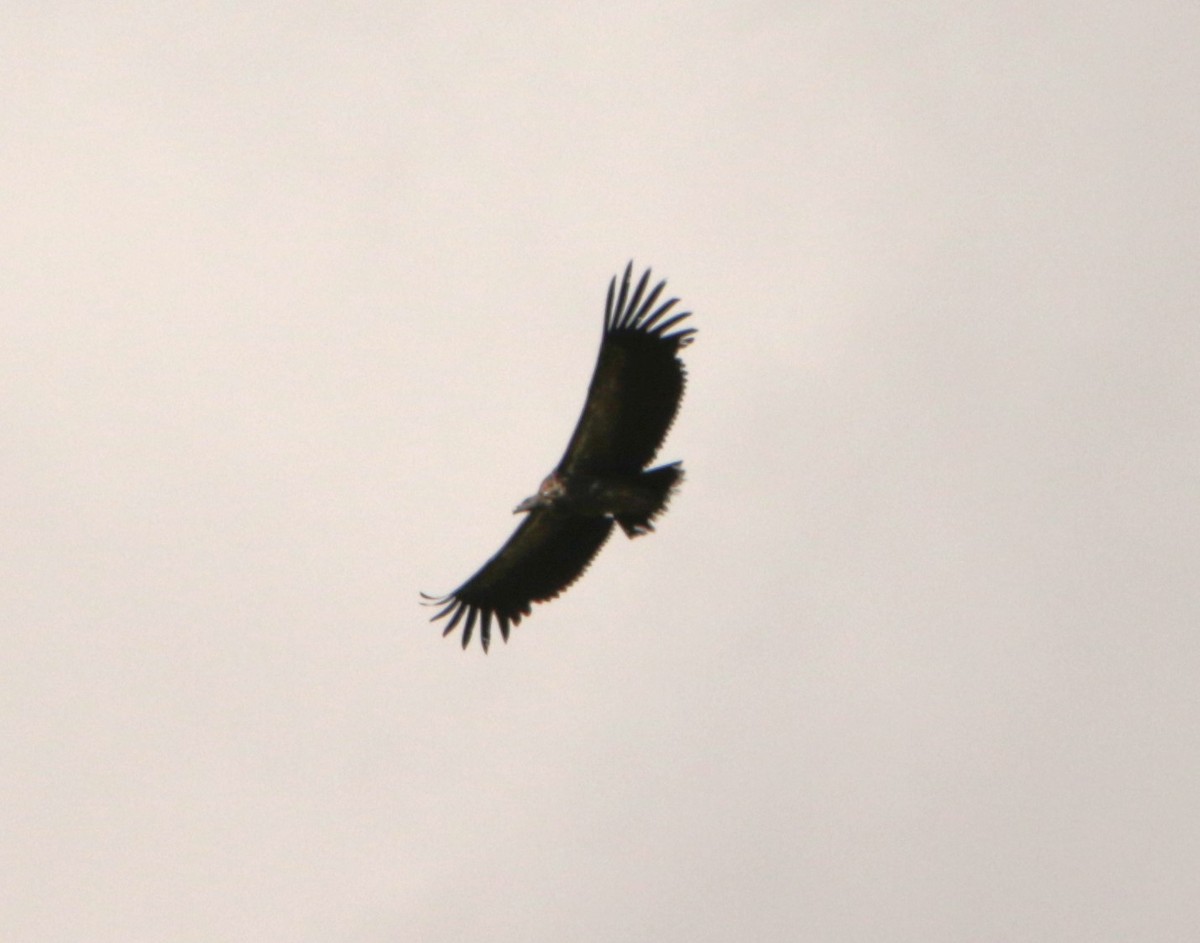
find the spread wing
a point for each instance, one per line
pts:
(545, 555)
(637, 385)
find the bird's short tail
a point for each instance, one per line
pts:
(656, 486)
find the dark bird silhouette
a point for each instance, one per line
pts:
(602, 477)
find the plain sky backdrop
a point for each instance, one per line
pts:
(298, 300)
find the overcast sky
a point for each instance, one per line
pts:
(298, 300)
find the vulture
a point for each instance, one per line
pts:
(602, 478)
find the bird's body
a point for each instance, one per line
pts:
(632, 500)
(602, 478)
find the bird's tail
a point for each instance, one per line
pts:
(655, 487)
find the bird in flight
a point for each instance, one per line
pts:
(602, 478)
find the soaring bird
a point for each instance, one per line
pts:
(602, 477)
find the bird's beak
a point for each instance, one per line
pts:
(527, 505)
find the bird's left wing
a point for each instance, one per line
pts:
(545, 555)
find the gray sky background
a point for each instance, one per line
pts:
(299, 300)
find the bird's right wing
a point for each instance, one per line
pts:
(637, 384)
(545, 555)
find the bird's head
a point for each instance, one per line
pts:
(551, 489)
